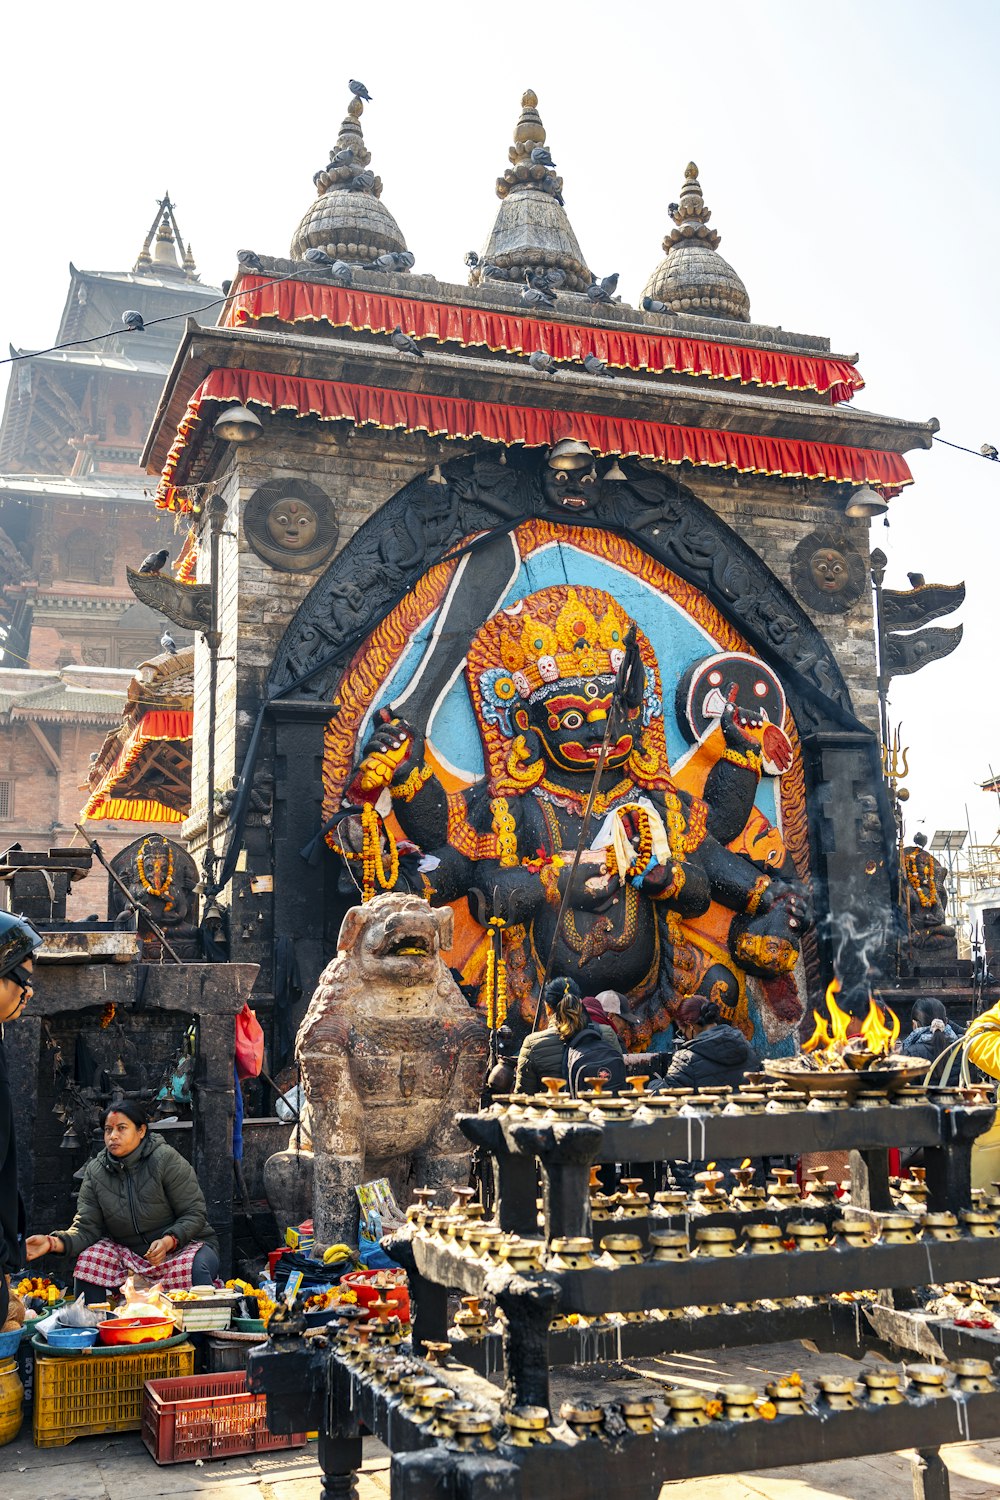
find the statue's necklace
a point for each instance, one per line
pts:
(576, 802)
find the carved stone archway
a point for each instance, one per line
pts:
(479, 497)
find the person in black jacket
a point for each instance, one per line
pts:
(18, 941)
(716, 1054)
(931, 1032)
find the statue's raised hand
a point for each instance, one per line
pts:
(393, 750)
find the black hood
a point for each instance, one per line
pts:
(724, 1046)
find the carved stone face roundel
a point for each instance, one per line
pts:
(291, 524)
(827, 573)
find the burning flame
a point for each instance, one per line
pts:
(711, 1166)
(823, 1039)
(744, 1163)
(878, 1037)
(830, 1034)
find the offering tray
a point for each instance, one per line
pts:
(846, 1081)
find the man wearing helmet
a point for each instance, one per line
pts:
(18, 942)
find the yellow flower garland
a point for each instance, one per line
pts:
(372, 863)
(159, 891)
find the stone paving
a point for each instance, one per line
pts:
(119, 1468)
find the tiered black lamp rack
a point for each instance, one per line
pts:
(725, 1273)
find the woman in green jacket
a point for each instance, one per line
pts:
(140, 1211)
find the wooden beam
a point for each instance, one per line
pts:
(47, 749)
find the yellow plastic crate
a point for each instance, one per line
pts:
(98, 1393)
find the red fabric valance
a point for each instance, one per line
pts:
(623, 349)
(156, 724)
(457, 418)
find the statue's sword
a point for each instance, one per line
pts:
(476, 591)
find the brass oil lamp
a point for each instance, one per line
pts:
(528, 1426)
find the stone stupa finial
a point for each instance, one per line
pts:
(532, 232)
(693, 277)
(347, 220)
(163, 239)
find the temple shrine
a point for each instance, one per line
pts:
(431, 516)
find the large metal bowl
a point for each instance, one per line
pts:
(846, 1081)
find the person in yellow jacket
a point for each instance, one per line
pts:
(983, 1041)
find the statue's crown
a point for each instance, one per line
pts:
(556, 635)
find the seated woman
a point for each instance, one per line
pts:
(140, 1211)
(713, 1055)
(930, 1033)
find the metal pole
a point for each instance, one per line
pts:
(217, 512)
(878, 566)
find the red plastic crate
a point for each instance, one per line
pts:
(207, 1416)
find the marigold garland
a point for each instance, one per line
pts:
(149, 885)
(495, 980)
(372, 862)
(911, 864)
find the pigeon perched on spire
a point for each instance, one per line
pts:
(603, 291)
(358, 90)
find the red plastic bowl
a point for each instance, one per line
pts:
(135, 1330)
(358, 1282)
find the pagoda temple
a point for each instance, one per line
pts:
(74, 514)
(435, 523)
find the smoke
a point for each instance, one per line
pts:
(861, 944)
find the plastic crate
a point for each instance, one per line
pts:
(223, 1355)
(208, 1416)
(96, 1393)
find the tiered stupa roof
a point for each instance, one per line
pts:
(348, 219)
(532, 231)
(693, 277)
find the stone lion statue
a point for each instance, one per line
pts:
(390, 1052)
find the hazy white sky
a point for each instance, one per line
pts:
(849, 155)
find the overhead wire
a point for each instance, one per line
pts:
(146, 323)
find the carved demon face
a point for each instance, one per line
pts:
(829, 570)
(569, 719)
(569, 477)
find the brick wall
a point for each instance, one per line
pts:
(45, 803)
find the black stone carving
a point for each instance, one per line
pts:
(161, 876)
(905, 609)
(260, 805)
(188, 605)
(903, 654)
(291, 524)
(828, 573)
(426, 521)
